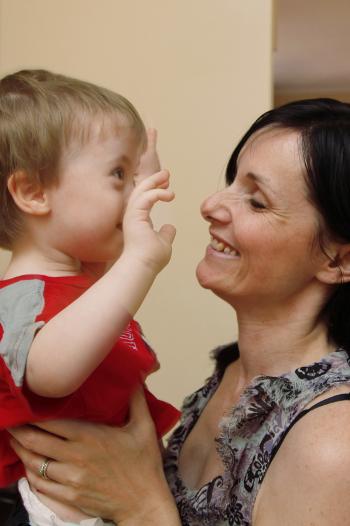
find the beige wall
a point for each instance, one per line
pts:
(282, 97)
(199, 71)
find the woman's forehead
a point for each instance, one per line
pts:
(274, 156)
(283, 143)
(272, 149)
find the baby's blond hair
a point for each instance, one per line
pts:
(41, 113)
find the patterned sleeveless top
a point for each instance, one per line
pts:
(248, 436)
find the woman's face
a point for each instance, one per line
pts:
(263, 226)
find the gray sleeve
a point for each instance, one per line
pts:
(20, 304)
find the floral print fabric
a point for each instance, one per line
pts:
(247, 438)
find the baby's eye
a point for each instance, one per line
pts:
(119, 173)
(257, 205)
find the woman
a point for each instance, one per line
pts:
(267, 440)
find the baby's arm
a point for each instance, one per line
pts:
(73, 343)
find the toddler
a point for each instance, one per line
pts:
(69, 159)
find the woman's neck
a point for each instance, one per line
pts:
(275, 341)
(276, 350)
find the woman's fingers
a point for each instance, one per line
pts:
(68, 429)
(57, 439)
(55, 471)
(62, 487)
(31, 460)
(37, 441)
(72, 480)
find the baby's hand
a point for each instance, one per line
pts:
(141, 240)
(149, 162)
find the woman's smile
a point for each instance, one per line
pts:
(222, 249)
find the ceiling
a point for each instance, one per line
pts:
(312, 45)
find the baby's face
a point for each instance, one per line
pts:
(95, 182)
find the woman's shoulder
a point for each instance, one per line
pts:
(323, 430)
(308, 481)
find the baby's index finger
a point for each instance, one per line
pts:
(144, 182)
(149, 160)
(152, 139)
(139, 177)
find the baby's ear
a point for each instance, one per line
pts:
(28, 193)
(337, 269)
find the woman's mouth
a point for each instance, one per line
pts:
(220, 246)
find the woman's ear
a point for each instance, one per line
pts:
(28, 193)
(336, 270)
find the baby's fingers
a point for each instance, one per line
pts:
(149, 162)
(152, 140)
(156, 180)
(147, 200)
(154, 188)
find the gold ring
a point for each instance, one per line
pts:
(43, 468)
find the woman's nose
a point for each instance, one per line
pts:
(214, 208)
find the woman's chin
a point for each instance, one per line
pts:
(208, 279)
(205, 276)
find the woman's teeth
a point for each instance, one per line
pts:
(221, 247)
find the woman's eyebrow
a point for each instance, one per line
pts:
(264, 181)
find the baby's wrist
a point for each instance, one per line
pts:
(142, 266)
(132, 279)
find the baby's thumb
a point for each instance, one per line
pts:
(168, 233)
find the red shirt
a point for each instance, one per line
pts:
(26, 303)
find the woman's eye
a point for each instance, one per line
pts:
(257, 205)
(119, 173)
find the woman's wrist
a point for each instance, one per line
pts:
(163, 513)
(155, 508)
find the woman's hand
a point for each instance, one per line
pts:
(114, 473)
